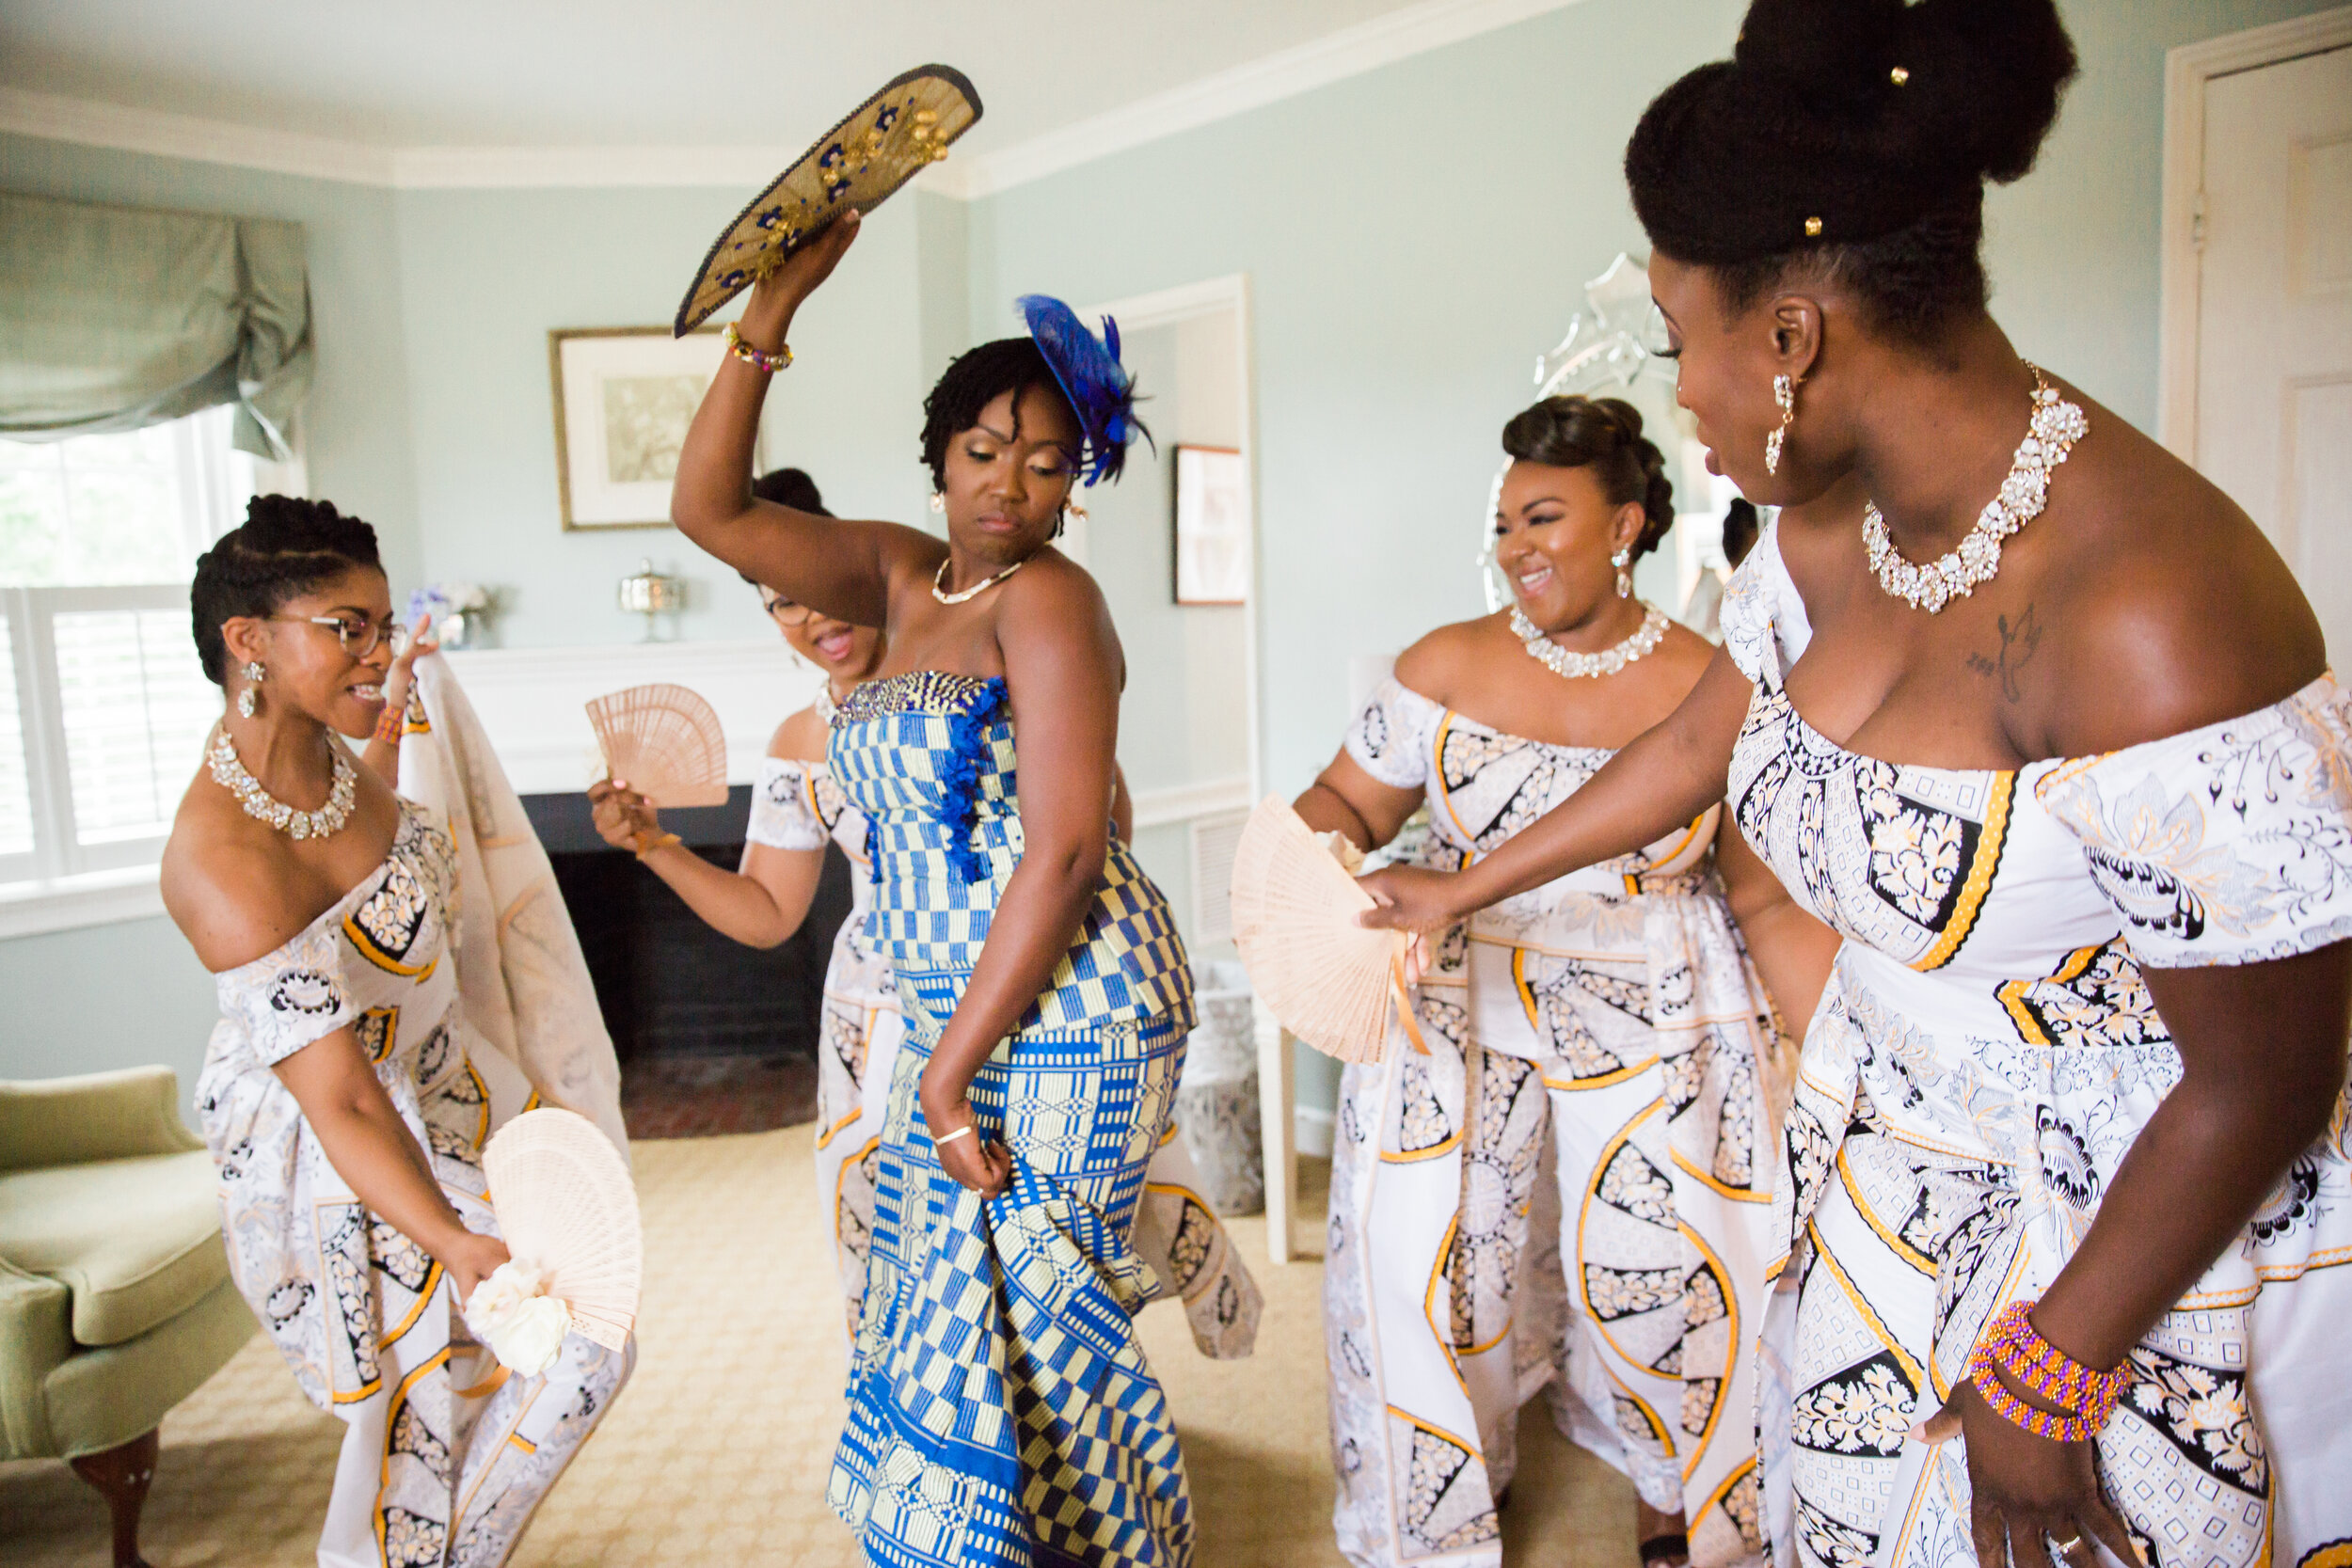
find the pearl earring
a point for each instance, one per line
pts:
(1784, 394)
(939, 503)
(1623, 558)
(254, 675)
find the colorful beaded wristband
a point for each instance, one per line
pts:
(389, 722)
(2011, 1344)
(757, 357)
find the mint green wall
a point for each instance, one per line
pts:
(356, 426)
(486, 275)
(104, 997)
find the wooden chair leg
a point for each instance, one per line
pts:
(122, 1475)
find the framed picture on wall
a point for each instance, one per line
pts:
(624, 396)
(1212, 525)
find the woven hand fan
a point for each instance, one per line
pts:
(878, 146)
(666, 741)
(565, 1203)
(1329, 980)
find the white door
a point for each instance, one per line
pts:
(2274, 352)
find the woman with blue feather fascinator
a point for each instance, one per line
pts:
(1047, 996)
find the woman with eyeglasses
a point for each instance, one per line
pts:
(795, 807)
(345, 1095)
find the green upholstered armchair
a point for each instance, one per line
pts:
(115, 1297)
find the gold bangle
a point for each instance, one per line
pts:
(661, 841)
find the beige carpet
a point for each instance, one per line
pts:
(717, 1451)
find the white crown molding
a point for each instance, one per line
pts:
(1351, 52)
(1400, 35)
(1159, 808)
(210, 141)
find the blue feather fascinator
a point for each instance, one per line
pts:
(1099, 390)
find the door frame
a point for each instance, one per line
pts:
(2187, 70)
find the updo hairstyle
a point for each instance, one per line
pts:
(977, 378)
(1851, 140)
(1604, 434)
(284, 548)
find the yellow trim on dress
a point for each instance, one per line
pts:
(1990, 839)
(1868, 1314)
(1429, 1302)
(1731, 1310)
(1707, 1178)
(392, 1429)
(377, 956)
(1894, 1243)
(2013, 992)
(424, 1296)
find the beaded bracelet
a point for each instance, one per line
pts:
(2011, 1344)
(759, 358)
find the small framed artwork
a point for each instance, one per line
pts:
(1212, 525)
(624, 396)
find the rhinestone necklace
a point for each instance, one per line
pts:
(939, 582)
(1560, 661)
(2057, 425)
(825, 704)
(263, 806)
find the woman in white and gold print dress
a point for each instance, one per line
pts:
(795, 808)
(345, 1095)
(2040, 723)
(1608, 1023)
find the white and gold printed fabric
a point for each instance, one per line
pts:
(1984, 1059)
(445, 1456)
(1571, 1190)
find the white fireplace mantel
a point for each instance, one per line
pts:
(533, 700)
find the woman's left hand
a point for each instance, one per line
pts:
(977, 1164)
(2036, 1502)
(401, 677)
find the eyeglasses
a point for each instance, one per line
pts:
(358, 634)
(786, 614)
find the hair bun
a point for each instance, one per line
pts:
(1829, 52)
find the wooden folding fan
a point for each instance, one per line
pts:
(1330, 980)
(665, 742)
(565, 1206)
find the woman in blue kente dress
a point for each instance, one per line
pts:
(1001, 1410)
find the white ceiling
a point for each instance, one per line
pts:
(634, 72)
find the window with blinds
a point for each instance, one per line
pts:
(103, 707)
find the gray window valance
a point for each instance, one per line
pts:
(116, 317)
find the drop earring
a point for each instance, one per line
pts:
(254, 675)
(939, 503)
(1623, 558)
(1784, 394)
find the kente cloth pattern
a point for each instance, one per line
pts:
(1571, 1190)
(1001, 1409)
(796, 805)
(1984, 1056)
(445, 1456)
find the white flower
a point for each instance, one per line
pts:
(523, 1328)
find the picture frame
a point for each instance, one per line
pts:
(624, 397)
(1212, 533)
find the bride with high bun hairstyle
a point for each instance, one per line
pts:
(2036, 719)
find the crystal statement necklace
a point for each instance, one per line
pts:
(2057, 425)
(939, 584)
(1560, 661)
(263, 806)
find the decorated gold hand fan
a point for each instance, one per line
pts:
(1331, 981)
(665, 742)
(568, 1212)
(880, 146)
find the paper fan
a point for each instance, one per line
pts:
(1328, 979)
(878, 146)
(666, 741)
(565, 1204)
